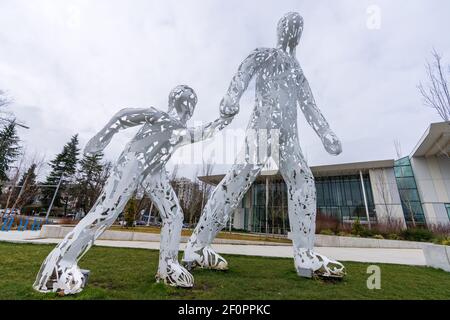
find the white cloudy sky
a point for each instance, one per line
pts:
(71, 64)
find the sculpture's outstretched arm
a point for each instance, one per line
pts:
(125, 118)
(207, 131)
(246, 71)
(315, 118)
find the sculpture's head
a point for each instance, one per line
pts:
(182, 102)
(289, 30)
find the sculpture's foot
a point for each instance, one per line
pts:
(54, 278)
(205, 258)
(71, 281)
(176, 276)
(309, 264)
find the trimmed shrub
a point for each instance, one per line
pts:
(417, 234)
(393, 236)
(327, 232)
(357, 228)
(327, 222)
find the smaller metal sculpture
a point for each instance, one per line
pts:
(142, 162)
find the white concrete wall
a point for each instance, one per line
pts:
(386, 196)
(433, 183)
(437, 256)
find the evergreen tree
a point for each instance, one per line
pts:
(63, 166)
(9, 149)
(28, 188)
(130, 212)
(89, 181)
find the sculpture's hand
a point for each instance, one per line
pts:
(228, 108)
(331, 143)
(97, 144)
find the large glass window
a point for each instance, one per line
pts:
(412, 207)
(272, 218)
(341, 197)
(447, 206)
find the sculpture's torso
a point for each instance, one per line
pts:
(155, 142)
(278, 84)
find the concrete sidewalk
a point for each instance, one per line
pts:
(370, 255)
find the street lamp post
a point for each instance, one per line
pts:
(22, 189)
(11, 190)
(54, 196)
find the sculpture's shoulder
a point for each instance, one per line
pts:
(154, 116)
(156, 112)
(263, 53)
(170, 122)
(264, 50)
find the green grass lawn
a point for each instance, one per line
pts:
(120, 273)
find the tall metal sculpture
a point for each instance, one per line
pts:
(281, 87)
(142, 162)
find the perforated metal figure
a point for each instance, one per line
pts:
(142, 162)
(281, 88)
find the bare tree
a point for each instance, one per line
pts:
(435, 92)
(5, 115)
(385, 195)
(207, 169)
(14, 174)
(174, 173)
(408, 202)
(28, 189)
(4, 102)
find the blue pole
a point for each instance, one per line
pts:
(4, 225)
(26, 224)
(38, 227)
(10, 224)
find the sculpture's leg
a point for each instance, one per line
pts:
(224, 199)
(163, 196)
(302, 215)
(60, 271)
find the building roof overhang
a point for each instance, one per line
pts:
(318, 171)
(434, 142)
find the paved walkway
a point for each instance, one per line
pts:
(371, 255)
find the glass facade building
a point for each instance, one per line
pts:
(342, 197)
(409, 195)
(411, 191)
(265, 205)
